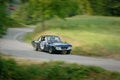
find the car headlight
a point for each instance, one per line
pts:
(69, 48)
(58, 48)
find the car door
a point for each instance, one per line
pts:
(42, 43)
(47, 44)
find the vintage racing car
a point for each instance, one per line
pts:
(52, 44)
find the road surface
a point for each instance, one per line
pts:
(11, 44)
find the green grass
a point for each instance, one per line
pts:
(89, 35)
(10, 70)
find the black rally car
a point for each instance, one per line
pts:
(52, 44)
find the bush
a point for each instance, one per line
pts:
(7, 67)
(10, 70)
(2, 30)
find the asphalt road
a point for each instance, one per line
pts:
(11, 44)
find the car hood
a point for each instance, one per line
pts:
(58, 44)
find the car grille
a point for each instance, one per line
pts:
(64, 48)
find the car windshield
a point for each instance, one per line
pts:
(54, 39)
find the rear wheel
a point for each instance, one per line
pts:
(36, 48)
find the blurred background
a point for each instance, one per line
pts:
(91, 26)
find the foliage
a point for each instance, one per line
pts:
(113, 7)
(48, 8)
(35, 11)
(3, 18)
(21, 15)
(99, 7)
(85, 7)
(10, 70)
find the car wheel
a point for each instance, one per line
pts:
(51, 51)
(36, 49)
(68, 52)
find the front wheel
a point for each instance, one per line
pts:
(68, 52)
(51, 50)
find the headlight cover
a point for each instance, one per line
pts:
(58, 48)
(69, 48)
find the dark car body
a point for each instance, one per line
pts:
(52, 44)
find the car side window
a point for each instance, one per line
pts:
(43, 39)
(39, 39)
(48, 39)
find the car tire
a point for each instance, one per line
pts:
(51, 50)
(68, 52)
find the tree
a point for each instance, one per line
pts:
(3, 17)
(98, 7)
(46, 9)
(113, 7)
